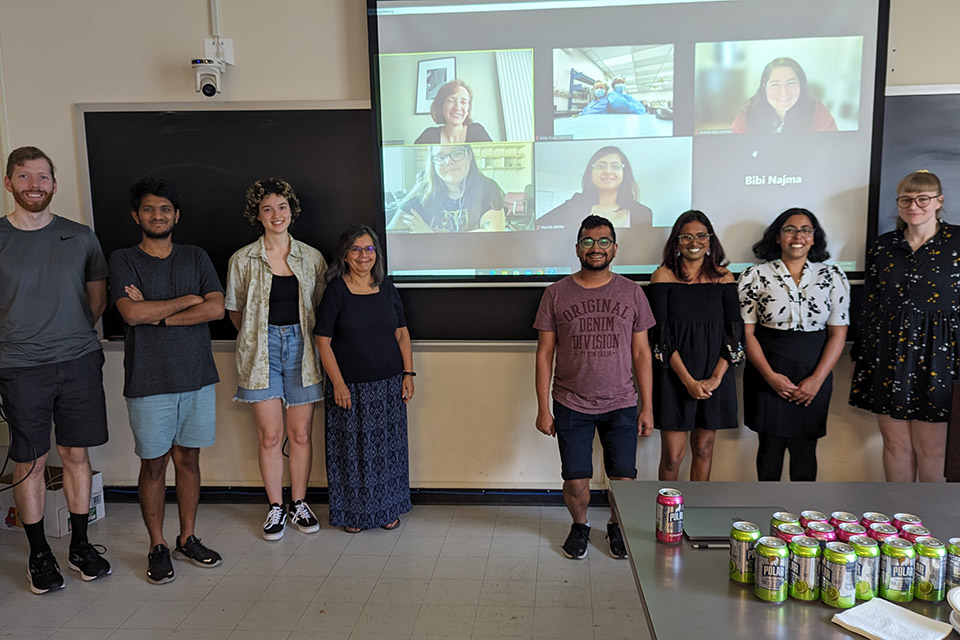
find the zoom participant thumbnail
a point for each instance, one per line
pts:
(456, 97)
(458, 188)
(798, 85)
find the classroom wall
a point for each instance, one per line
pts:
(471, 423)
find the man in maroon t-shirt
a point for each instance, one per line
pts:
(596, 321)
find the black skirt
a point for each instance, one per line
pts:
(794, 354)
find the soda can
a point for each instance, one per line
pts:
(900, 519)
(880, 531)
(913, 532)
(788, 532)
(929, 579)
(874, 516)
(804, 568)
(822, 532)
(770, 572)
(898, 561)
(669, 516)
(838, 576)
(806, 517)
(782, 517)
(953, 563)
(837, 518)
(743, 538)
(846, 530)
(868, 566)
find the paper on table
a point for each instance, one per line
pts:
(882, 620)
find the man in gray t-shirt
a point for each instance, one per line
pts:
(52, 292)
(167, 294)
(596, 322)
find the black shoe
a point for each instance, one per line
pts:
(159, 567)
(576, 545)
(43, 572)
(196, 553)
(88, 561)
(275, 522)
(617, 548)
(302, 517)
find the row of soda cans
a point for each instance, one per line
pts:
(841, 558)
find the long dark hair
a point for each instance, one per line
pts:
(338, 267)
(768, 248)
(627, 192)
(762, 118)
(713, 262)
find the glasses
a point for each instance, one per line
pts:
(803, 232)
(456, 155)
(904, 202)
(612, 166)
(587, 243)
(690, 238)
(356, 251)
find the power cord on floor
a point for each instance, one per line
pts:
(6, 461)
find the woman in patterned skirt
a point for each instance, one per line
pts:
(365, 349)
(907, 353)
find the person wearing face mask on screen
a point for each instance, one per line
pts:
(599, 102)
(619, 101)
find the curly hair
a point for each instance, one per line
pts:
(768, 248)
(263, 188)
(713, 262)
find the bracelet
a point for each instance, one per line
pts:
(412, 374)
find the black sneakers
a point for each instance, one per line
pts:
(617, 548)
(88, 561)
(194, 551)
(43, 572)
(159, 567)
(275, 522)
(302, 517)
(576, 545)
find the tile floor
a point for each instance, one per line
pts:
(449, 572)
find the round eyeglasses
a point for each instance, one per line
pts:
(904, 202)
(690, 238)
(456, 155)
(587, 243)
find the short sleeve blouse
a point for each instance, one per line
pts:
(770, 297)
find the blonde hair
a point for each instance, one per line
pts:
(921, 180)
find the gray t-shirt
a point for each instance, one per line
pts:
(45, 314)
(165, 359)
(594, 327)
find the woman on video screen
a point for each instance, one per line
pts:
(782, 103)
(607, 189)
(598, 101)
(619, 101)
(451, 110)
(454, 196)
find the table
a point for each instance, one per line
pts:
(686, 593)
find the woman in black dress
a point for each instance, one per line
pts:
(365, 349)
(909, 347)
(696, 339)
(795, 313)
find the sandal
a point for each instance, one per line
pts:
(352, 529)
(393, 525)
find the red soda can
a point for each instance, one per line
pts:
(806, 517)
(787, 532)
(874, 516)
(880, 531)
(837, 518)
(901, 519)
(847, 530)
(822, 532)
(669, 516)
(913, 531)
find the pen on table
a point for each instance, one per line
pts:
(719, 545)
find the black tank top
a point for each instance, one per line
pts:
(284, 301)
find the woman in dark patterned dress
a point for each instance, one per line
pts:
(365, 349)
(795, 313)
(907, 353)
(696, 339)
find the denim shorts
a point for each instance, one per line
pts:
(285, 344)
(185, 419)
(618, 438)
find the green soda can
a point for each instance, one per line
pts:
(743, 538)
(953, 563)
(770, 572)
(782, 517)
(838, 575)
(804, 568)
(931, 570)
(898, 561)
(868, 565)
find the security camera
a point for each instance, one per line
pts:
(208, 75)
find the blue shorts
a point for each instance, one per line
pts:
(161, 421)
(618, 438)
(285, 344)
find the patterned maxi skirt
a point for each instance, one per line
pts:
(367, 467)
